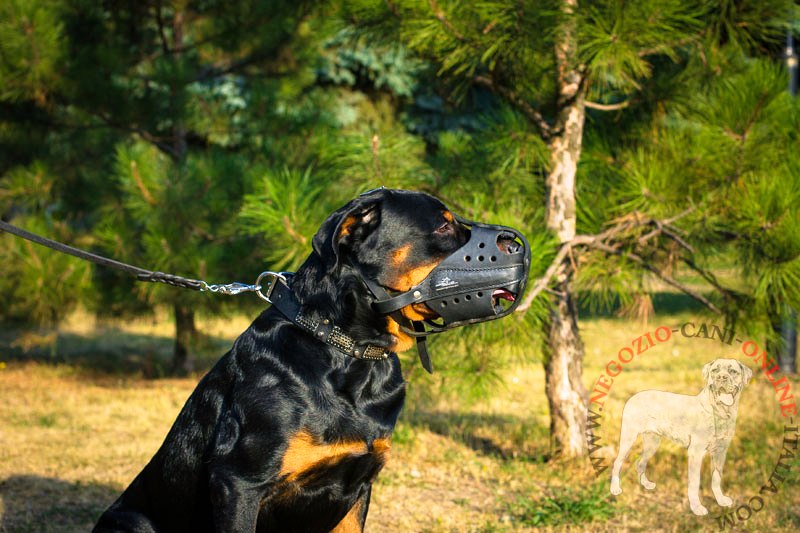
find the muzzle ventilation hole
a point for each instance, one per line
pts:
(456, 301)
(480, 258)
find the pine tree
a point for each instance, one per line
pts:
(552, 62)
(718, 172)
(634, 142)
(153, 108)
(40, 183)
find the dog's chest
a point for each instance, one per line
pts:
(308, 459)
(320, 481)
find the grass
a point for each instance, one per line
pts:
(565, 506)
(73, 434)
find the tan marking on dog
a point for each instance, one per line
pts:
(382, 447)
(305, 452)
(412, 277)
(418, 312)
(448, 216)
(412, 312)
(403, 341)
(400, 255)
(351, 523)
(344, 227)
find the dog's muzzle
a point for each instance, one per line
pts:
(483, 280)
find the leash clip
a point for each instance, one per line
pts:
(229, 289)
(232, 289)
(272, 283)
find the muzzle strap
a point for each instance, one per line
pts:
(422, 347)
(391, 304)
(382, 296)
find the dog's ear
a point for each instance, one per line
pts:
(345, 227)
(747, 374)
(707, 371)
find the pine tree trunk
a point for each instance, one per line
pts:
(185, 332)
(563, 351)
(566, 396)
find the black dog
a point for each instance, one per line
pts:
(287, 433)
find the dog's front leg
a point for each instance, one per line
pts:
(235, 503)
(717, 462)
(696, 454)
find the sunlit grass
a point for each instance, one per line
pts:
(71, 438)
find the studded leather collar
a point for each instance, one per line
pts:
(284, 300)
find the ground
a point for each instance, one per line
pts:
(72, 437)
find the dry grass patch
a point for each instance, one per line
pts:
(71, 439)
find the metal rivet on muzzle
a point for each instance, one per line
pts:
(417, 295)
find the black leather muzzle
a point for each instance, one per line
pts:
(483, 280)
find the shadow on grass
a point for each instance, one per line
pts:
(107, 350)
(504, 437)
(34, 503)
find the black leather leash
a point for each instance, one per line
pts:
(274, 290)
(140, 273)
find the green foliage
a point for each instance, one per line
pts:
(468, 39)
(173, 218)
(749, 24)
(616, 38)
(727, 159)
(285, 212)
(210, 139)
(350, 62)
(31, 49)
(39, 284)
(565, 506)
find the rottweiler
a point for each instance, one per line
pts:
(286, 432)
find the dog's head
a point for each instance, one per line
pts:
(393, 237)
(726, 378)
(396, 237)
(390, 257)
